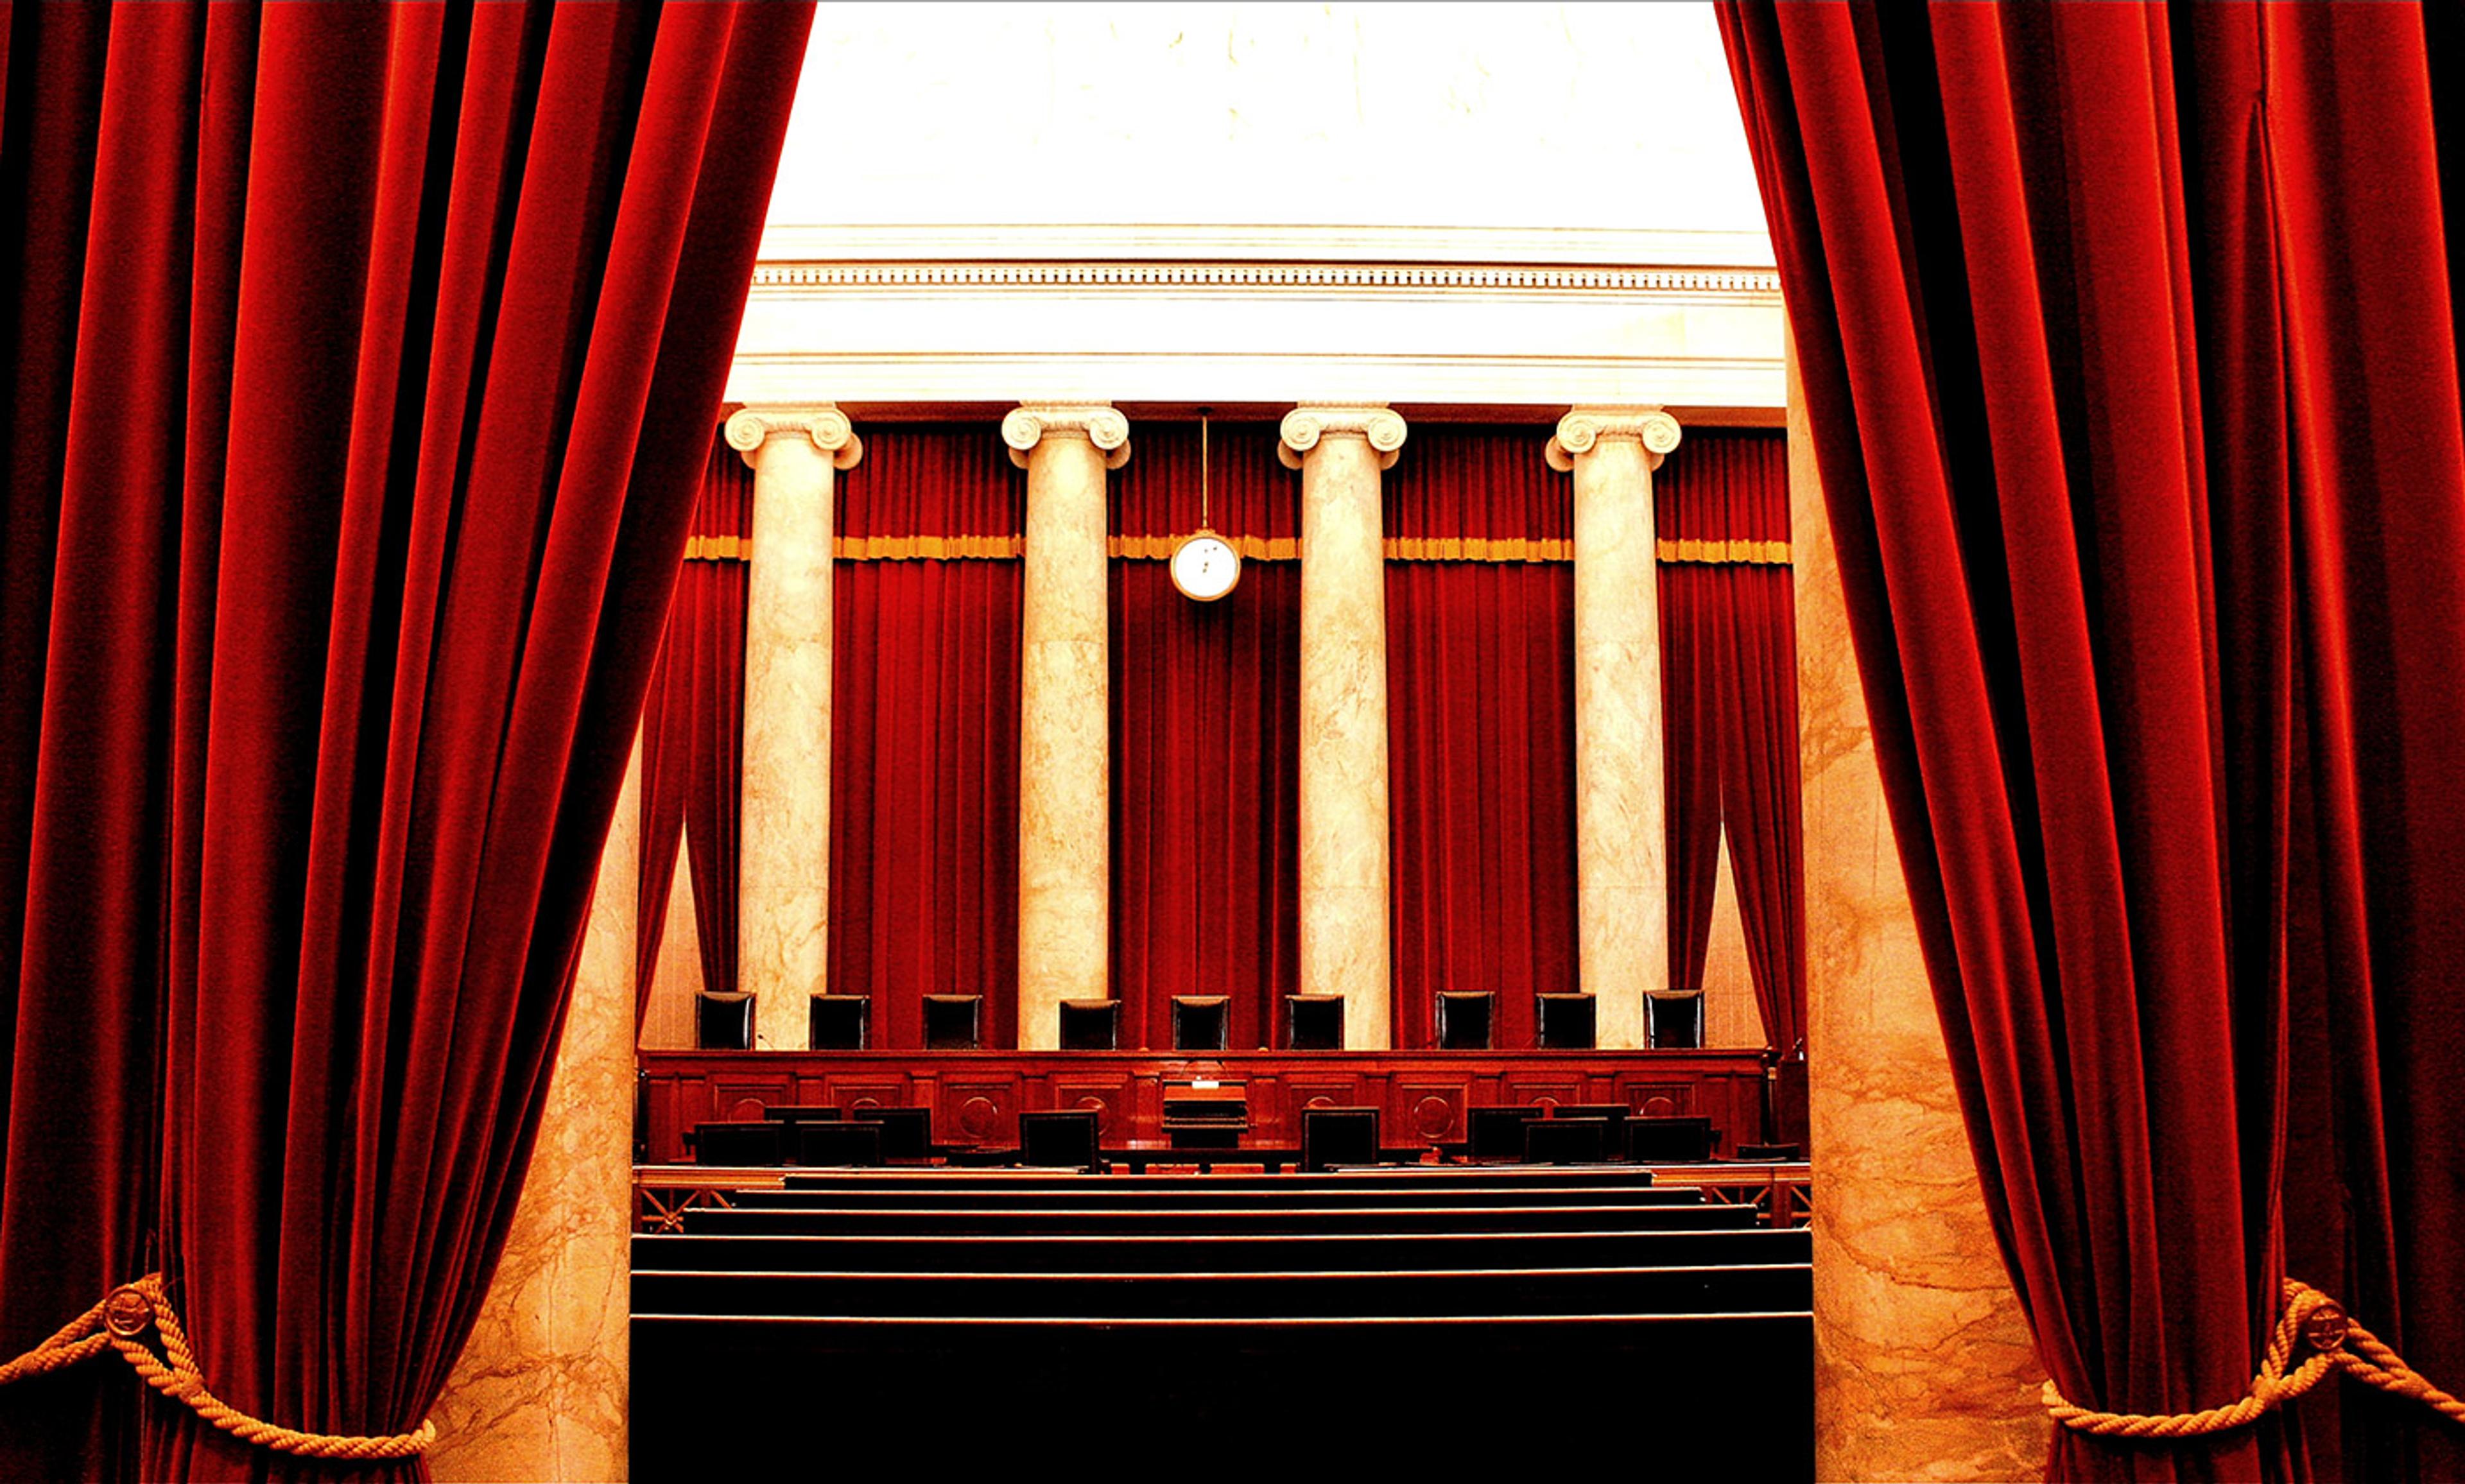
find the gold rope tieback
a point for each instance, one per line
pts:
(2309, 1316)
(119, 1322)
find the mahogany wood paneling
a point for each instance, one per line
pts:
(976, 1096)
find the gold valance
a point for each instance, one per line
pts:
(1477, 548)
(927, 548)
(719, 548)
(1747, 553)
(1160, 548)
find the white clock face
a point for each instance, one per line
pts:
(1205, 567)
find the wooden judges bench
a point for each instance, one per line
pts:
(976, 1096)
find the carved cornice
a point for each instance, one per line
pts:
(1583, 426)
(1030, 423)
(822, 422)
(1411, 277)
(1306, 423)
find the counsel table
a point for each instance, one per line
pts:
(1137, 1154)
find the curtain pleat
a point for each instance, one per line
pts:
(2129, 339)
(1482, 736)
(1205, 742)
(364, 363)
(924, 708)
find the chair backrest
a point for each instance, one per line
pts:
(1339, 1135)
(1617, 1113)
(1313, 1021)
(907, 1133)
(1199, 1022)
(1065, 1138)
(1564, 1140)
(953, 1021)
(801, 1113)
(1464, 1019)
(1783, 1153)
(1674, 1140)
(723, 1022)
(839, 1022)
(1567, 1022)
(1497, 1133)
(1674, 1020)
(737, 1143)
(838, 1143)
(1091, 1025)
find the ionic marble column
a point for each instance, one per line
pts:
(1621, 848)
(1923, 1365)
(1340, 452)
(1065, 814)
(540, 1392)
(783, 881)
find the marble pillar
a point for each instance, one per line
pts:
(1923, 1365)
(540, 1391)
(1621, 846)
(1065, 816)
(784, 866)
(1340, 452)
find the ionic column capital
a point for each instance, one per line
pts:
(821, 422)
(1306, 423)
(1583, 426)
(1100, 423)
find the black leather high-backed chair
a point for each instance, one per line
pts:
(1497, 1133)
(1338, 1136)
(1091, 1025)
(1313, 1021)
(737, 1143)
(723, 1022)
(1200, 1022)
(1564, 1140)
(1063, 1139)
(1678, 1140)
(1616, 1112)
(907, 1133)
(801, 1113)
(954, 1022)
(838, 1143)
(1777, 1153)
(1567, 1022)
(1464, 1019)
(1674, 1020)
(839, 1022)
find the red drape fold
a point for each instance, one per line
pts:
(693, 735)
(364, 359)
(1205, 742)
(2129, 337)
(1481, 721)
(925, 733)
(1729, 695)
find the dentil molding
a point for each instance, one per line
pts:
(1306, 423)
(1583, 426)
(822, 422)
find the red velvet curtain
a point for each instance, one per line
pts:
(2129, 336)
(1206, 738)
(924, 727)
(1728, 637)
(693, 734)
(321, 656)
(1480, 719)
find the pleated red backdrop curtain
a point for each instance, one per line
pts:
(693, 734)
(1728, 636)
(322, 655)
(1206, 738)
(924, 727)
(2129, 337)
(1480, 719)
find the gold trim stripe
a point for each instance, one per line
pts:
(1477, 548)
(1160, 548)
(927, 548)
(719, 548)
(1746, 553)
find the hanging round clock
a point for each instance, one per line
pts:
(1204, 565)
